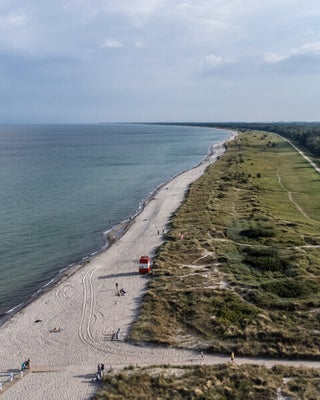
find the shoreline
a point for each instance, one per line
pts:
(86, 307)
(110, 237)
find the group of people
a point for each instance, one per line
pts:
(115, 335)
(55, 329)
(100, 374)
(120, 292)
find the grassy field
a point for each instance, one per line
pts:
(245, 277)
(221, 382)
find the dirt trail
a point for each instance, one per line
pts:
(290, 197)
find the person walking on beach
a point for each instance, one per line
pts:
(117, 285)
(232, 357)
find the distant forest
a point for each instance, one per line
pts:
(304, 134)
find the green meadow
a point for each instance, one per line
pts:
(245, 277)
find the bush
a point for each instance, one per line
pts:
(257, 232)
(237, 312)
(292, 288)
(266, 259)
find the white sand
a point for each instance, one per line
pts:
(87, 308)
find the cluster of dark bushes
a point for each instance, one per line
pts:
(258, 232)
(292, 287)
(265, 259)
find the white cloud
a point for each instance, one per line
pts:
(112, 44)
(303, 59)
(213, 62)
(272, 58)
(308, 49)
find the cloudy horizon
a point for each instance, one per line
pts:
(159, 60)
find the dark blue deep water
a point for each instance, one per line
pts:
(62, 186)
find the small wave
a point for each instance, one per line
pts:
(48, 283)
(37, 292)
(14, 308)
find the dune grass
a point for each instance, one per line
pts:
(223, 382)
(246, 275)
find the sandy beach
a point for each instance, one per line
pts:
(87, 310)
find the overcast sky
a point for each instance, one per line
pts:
(159, 60)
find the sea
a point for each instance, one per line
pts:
(62, 187)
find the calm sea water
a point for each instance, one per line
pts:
(62, 186)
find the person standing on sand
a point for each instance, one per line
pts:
(232, 357)
(117, 285)
(99, 373)
(27, 364)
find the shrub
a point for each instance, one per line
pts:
(237, 312)
(265, 259)
(258, 231)
(292, 288)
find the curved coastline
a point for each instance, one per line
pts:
(110, 236)
(88, 309)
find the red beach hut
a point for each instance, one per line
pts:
(144, 265)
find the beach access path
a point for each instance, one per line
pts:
(88, 310)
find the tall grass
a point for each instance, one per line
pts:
(223, 382)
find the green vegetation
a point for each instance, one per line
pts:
(246, 275)
(220, 382)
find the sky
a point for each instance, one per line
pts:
(90, 61)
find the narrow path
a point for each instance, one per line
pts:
(143, 357)
(317, 169)
(290, 196)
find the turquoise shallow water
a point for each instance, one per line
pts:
(62, 186)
